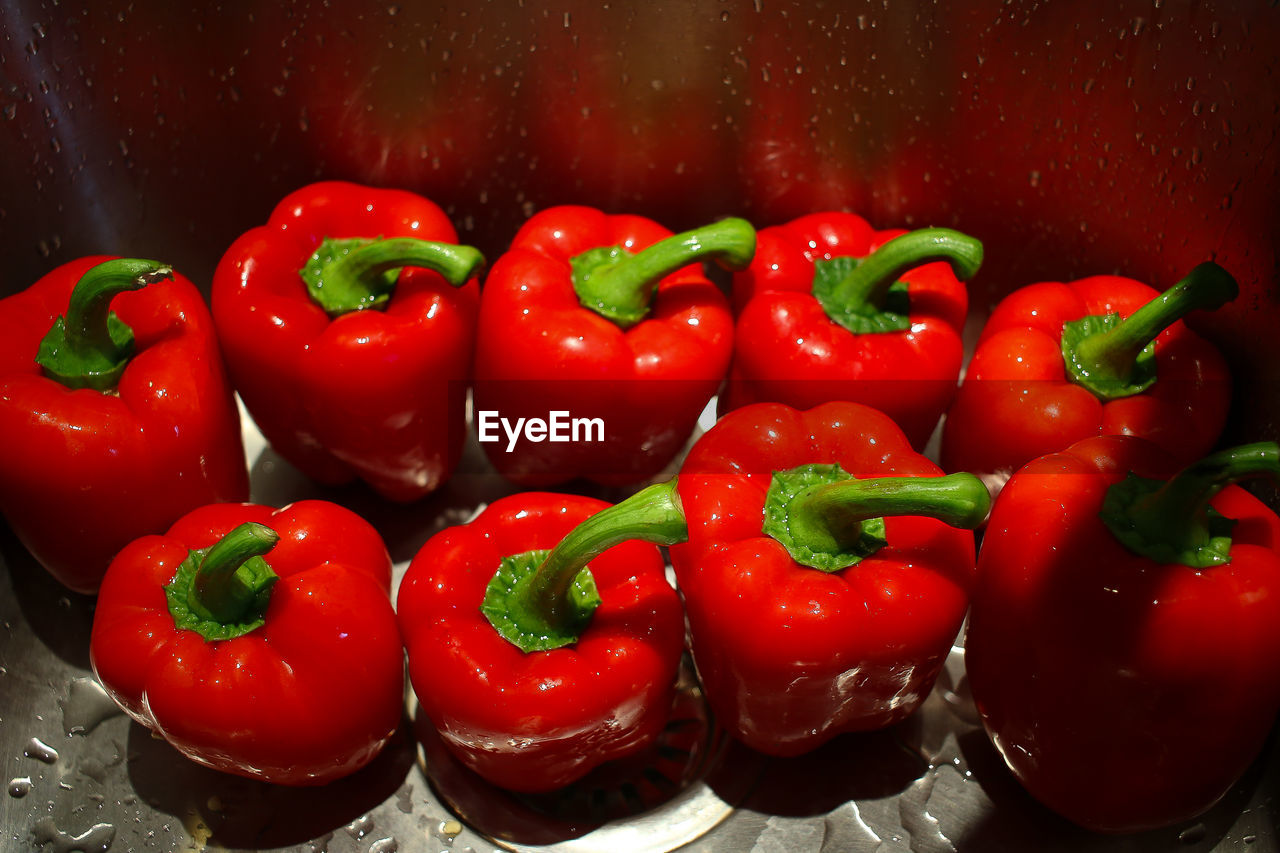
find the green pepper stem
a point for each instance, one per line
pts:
(869, 282)
(653, 514)
(350, 275)
(620, 286)
(90, 347)
(829, 518)
(229, 582)
(456, 263)
(1171, 521)
(1109, 357)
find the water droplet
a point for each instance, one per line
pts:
(1034, 178)
(40, 751)
(384, 845)
(20, 787)
(10, 110)
(1088, 86)
(724, 17)
(97, 839)
(1139, 24)
(1193, 835)
(360, 827)
(86, 705)
(393, 10)
(124, 147)
(913, 811)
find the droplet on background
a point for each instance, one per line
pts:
(40, 751)
(1193, 835)
(86, 705)
(96, 839)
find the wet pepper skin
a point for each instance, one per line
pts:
(788, 350)
(1123, 693)
(377, 395)
(1016, 402)
(277, 703)
(790, 656)
(538, 721)
(84, 472)
(539, 349)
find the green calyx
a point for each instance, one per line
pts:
(352, 274)
(811, 542)
(1114, 358)
(509, 607)
(864, 295)
(89, 346)
(828, 520)
(1171, 521)
(543, 600)
(222, 592)
(619, 285)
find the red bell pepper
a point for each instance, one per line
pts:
(259, 642)
(604, 318)
(822, 583)
(538, 673)
(830, 309)
(1124, 642)
(1057, 363)
(116, 415)
(339, 390)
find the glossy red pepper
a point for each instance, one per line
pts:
(538, 673)
(116, 415)
(604, 318)
(830, 309)
(1124, 641)
(1054, 365)
(348, 324)
(259, 642)
(819, 603)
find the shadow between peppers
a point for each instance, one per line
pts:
(59, 618)
(247, 813)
